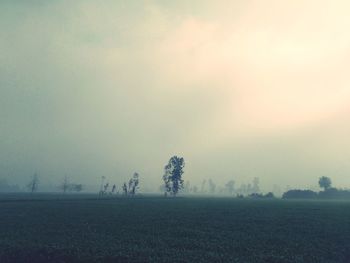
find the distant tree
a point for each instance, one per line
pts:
(133, 184)
(172, 177)
(243, 189)
(75, 187)
(113, 189)
(325, 182)
(105, 188)
(333, 193)
(258, 195)
(204, 182)
(65, 185)
(33, 184)
(301, 194)
(256, 188)
(101, 193)
(269, 195)
(187, 188)
(249, 189)
(212, 186)
(125, 189)
(230, 186)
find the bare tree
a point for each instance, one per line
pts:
(33, 184)
(212, 186)
(114, 188)
(65, 184)
(102, 184)
(256, 188)
(105, 188)
(125, 189)
(204, 182)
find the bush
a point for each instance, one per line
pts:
(256, 195)
(333, 193)
(299, 194)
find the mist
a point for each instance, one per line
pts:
(240, 89)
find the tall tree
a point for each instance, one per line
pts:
(204, 182)
(256, 188)
(114, 189)
(172, 177)
(33, 184)
(65, 184)
(212, 186)
(133, 184)
(125, 189)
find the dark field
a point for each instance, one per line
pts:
(154, 229)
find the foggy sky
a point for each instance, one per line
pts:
(240, 89)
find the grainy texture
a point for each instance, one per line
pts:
(153, 229)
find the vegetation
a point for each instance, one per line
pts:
(133, 184)
(172, 177)
(325, 182)
(299, 194)
(33, 184)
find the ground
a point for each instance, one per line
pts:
(73, 228)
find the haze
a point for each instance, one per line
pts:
(240, 89)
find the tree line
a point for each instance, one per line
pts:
(173, 184)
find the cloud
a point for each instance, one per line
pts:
(114, 86)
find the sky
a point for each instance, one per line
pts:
(240, 89)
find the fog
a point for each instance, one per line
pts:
(240, 89)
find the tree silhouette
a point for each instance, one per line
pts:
(125, 189)
(114, 189)
(325, 182)
(212, 186)
(133, 184)
(65, 184)
(256, 188)
(33, 184)
(172, 177)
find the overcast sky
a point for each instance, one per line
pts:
(240, 89)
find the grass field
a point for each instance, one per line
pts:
(53, 228)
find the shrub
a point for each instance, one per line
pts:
(299, 194)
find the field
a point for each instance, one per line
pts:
(55, 228)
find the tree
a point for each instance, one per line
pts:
(75, 187)
(256, 188)
(325, 182)
(204, 182)
(65, 184)
(33, 184)
(172, 177)
(125, 189)
(114, 188)
(212, 186)
(230, 186)
(302, 194)
(102, 184)
(133, 184)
